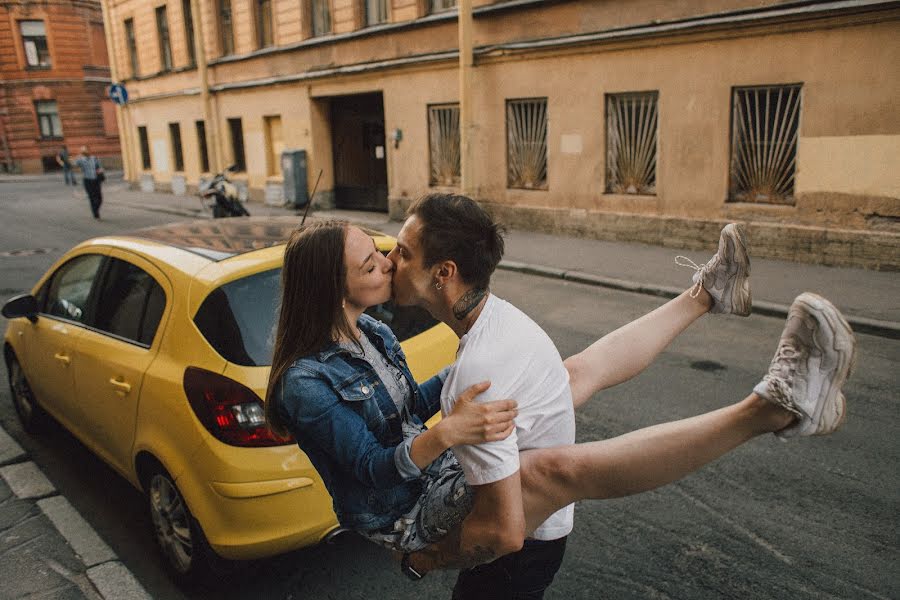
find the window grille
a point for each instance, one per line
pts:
(34, 40)
(264, 34)
(201, 144)
(226, 29)
(376, 12)
(443, 138)
(189, 30)
(439, 5)
(165, 48)
(48, 119)
(132, 46)
(145, 147)
(321, 17)
(631, 143)
(764, 129)
(177, 153)
(526, 143)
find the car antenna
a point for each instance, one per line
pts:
(313, 195)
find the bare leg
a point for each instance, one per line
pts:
(620, 355)
(641, 460)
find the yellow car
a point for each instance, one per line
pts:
(154, 349)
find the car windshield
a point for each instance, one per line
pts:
(239, 318)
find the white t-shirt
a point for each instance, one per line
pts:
(507, 348)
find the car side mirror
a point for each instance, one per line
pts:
(24, 305)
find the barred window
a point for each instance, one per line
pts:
(526, 143)
(443, 140)
(631, 142)
(765, 124)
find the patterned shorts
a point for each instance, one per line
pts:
(445, 501)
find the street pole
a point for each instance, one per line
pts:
(466, 122)
(212, 124)
(121, 121)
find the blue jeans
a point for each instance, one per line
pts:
(69, 176)
(522, 575)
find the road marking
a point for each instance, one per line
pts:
(25, 252)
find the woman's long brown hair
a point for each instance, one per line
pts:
(313, 284)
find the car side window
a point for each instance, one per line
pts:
(130, 304)
(66, 294)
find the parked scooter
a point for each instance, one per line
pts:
(220, 195)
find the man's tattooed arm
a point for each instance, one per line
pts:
(468, 302)
(447, 554)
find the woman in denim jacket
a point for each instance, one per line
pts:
(341, 386)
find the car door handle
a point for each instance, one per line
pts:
(63, 358)
(121, 386)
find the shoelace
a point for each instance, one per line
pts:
(781, 376)
(686, 262)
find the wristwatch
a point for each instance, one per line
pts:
(408, 570)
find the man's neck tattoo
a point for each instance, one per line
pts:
(467, 303)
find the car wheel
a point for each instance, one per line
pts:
(30, 413)
(178, 535)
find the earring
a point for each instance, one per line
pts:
(438, 285)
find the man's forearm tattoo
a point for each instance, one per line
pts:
(468, 302)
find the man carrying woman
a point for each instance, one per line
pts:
(346, 395)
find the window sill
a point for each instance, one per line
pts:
(38, 67)
(619, 195)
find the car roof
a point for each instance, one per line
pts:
(220, 239)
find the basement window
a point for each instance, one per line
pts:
(631, 143)
(765, 123)
(526, 143)
(443, 140)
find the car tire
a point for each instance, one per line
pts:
(187, 553)
(31, 415)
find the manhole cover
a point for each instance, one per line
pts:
(25, 252)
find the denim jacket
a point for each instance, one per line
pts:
(346, 422)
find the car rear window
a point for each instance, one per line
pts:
(238, 319)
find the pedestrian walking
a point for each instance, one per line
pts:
(62, 158)
(93, 177)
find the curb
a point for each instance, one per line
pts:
(111, 579)
(885, 329)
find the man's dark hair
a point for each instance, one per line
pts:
(456, 228)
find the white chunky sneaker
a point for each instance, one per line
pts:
(727, 274)
(814, 358)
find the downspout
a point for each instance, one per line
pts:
(212, 124)
(466, 122)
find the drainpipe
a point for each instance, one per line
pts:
(121, 121)
(212, 124)
(466, 122)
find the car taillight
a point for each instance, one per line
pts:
(230, 411)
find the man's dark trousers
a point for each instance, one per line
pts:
(92, 187)
(522, 575)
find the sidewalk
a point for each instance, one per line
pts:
(48, 549)
(869, 299)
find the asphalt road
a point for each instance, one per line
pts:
(811, 519)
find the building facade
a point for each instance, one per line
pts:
(54, 75)
(641, 120)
